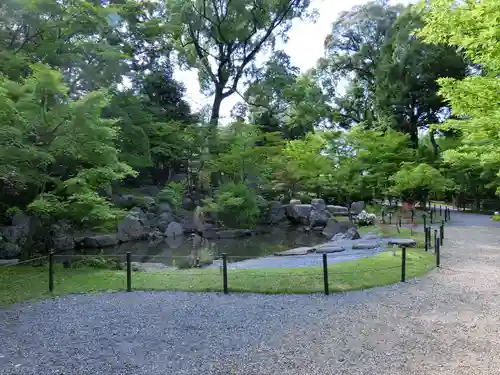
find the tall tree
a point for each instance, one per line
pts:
(353, 51)
(472, 27)
(222, 38)
(406, 91)
(283, 101)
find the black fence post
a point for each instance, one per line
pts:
(325, 273)
(426, 232)
(400, 222)
(440, 210)
(436, 240)
(383, 217)
(425, 221)
(129, 272)
(390, 218)
(403, 264)
(431, 215)
(449, 214)
(438, 253)
(51, 271)
(441, 234)
(224, 273)
(412, 215)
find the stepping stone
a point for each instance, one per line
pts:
(297, 251)
(407, 242)
(330, 249)
(365, 245)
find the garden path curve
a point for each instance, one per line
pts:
(448, 322)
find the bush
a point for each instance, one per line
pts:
(496, 217)
(172, 194)
(236, 206)
(365, 218)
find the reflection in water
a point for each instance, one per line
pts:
(191, 250)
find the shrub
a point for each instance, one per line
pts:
(236, 206)
(172, 194)
(365, 218)
(496, 217)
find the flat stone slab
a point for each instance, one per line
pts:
(329, 249)
(297, 251)
(407, 242)
(365, 245)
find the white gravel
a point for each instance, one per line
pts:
(446, 323)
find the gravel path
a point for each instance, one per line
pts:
(446, 323)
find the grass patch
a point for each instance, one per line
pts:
(20, 283)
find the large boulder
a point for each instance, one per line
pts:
(277, 212)
(295, 201)
(9, 250)
(357, 207)
(174, 229)
(164, 220)
(318, 218)
(130, 229)
(333, 227)
(102, 240)
(163, 207)
(318, 204)
(298, 213)
(337, 210)
(63, 243)
(19, 230)
(139, 213)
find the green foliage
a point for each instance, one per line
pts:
(236, 206)
(301, 166)
(172, 194)
(229, 33)
(56, 149)
(495, 218)
(415, 183)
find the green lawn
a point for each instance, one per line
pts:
(24, 283)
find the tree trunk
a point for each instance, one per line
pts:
(215, 115)
(434, 143)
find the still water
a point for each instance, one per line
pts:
(185, 252)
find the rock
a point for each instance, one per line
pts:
(150, 216)
(163, 207)
(357, 207)
(298, 213)
(232, 233)
(63, 243)
(130, 229)
(330, 249)
(149, 202)
(98, 241)
(174, 229)
(9, 250)
(139, 214)
(155, 235)
(318, 204)
(333, 227)
(352, 233)
(164, 220)
(337, 210)
(295, 201)
(17, 233)
(296, 251)
(188, 204)
(318, 218)
(365, 245)
(277, 212)
(400, 242)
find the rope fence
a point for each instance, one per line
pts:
(223, 275)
